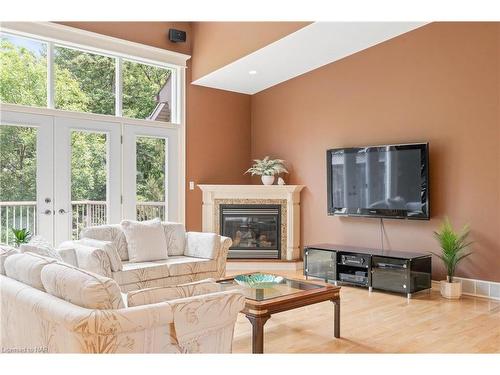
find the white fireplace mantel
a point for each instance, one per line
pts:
(256, 194)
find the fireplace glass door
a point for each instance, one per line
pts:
(254, 229)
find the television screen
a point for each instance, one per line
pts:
(379, 181)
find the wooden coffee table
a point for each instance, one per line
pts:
(260, 304)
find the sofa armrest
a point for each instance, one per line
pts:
(225, 244)
(90, 258)
(205, 323)
(202, 245)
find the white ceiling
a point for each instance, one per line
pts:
(309, 48)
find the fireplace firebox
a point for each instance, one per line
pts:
(254, 229)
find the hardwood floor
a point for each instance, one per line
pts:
(380, 322)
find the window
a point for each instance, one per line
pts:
(23, 71)
(147, 91)
(84, 80)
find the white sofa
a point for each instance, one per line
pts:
(50, 306)
(192, 256)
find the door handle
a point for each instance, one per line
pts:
(62, 211)
(47, 212)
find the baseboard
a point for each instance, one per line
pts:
(266, 265)
(476, 288)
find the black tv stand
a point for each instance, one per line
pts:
(389, 270)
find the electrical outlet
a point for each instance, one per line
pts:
(191, 185)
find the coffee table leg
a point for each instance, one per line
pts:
(336, 318)
(258, 332)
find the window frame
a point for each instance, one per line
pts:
(118, 66)
(69, 37)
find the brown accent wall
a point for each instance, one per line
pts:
(440, 84)
(218, 143)
(216, 44)
(217, 122)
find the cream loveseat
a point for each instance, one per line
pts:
(192, 256)
(50, 306)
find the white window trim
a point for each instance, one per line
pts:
(104, 44)
(81, 39)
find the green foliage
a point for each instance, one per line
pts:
(94, 78)
(21, 236)
(88, 166)
(267, 167)
(453, 246)
(23, 76)
(83, 82)
(17, 163)
(150, 169)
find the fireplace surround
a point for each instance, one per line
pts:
(286, 198)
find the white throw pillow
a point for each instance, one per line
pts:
(145, 240)
(107, 246)
(39, 245)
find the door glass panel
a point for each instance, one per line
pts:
(23, 71)
(18, 162)
(89, 175)
(150, 178)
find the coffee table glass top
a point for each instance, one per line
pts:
(284, 288)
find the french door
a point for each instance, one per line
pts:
(150, 173)
(87, 175)
(26, 175)
(60, 174)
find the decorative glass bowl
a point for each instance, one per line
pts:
(258, 280)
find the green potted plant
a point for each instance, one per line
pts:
(21, 236)
(454, 247)
(267, 168)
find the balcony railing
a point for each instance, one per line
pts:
(16, 215)
(84, 214)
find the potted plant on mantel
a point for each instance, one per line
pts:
(267, 168)
(453, 249)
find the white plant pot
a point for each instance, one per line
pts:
(267, 180)
(451, 290)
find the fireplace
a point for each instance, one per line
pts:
(284, 197)
(254, 228)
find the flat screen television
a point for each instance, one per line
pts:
(390, 181)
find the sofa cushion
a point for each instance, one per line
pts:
(145, 240)
(5, 252)
(175, 235)
(202, 245)
(160, 294)
(110, 232)
(108, 247)
(182, 265)
(27, 268)
(134, 272)
(82, 288)
(39, 245)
